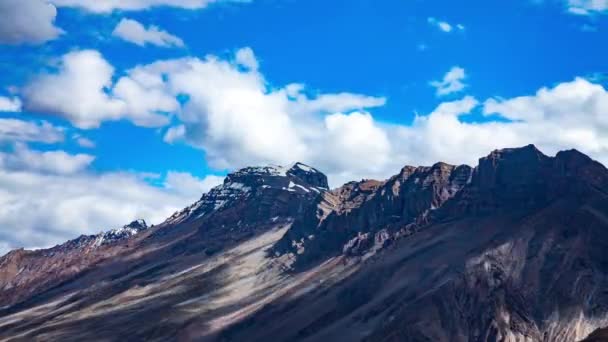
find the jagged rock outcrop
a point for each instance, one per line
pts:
(516, 254)
(364, 216)
(525, 178)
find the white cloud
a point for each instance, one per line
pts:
(354, 146)
(10, 104)
(84, 142)
(77, 90)
(246, 58)
(105, 6)
(334, 132)
(444, 25)
(587, 7)
(134, 32)
(331, 103)
(451, 82)
(175, 134)
(15, 130)
(265, 125)
(27, 22)
(347, 139)
(571, 111)
(87, 77)
(238, 119)
(39, 208)
(187, 184)
(53, 162)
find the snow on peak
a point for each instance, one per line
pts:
(118, 234)
(253, 181)
(270, 170)
(304, 167)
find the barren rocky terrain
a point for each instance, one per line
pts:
(513, 249)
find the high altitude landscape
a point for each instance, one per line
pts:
(513, 249)
(304, 170)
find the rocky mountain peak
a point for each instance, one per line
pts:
(510, 166)
(262, 184)
(139, 224)
(363, 216)
(309, 175)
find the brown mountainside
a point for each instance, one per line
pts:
(511, 250)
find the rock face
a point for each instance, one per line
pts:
(511, 250)
(600, 335)
(277, 191)
(369, 214)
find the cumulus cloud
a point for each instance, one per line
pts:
(265, 125)
(228, 109)
(10, 104)
(349, 137)
(77, 90)
(105, 6)
(444, 26)
(87, 77)
(134, 32)
(246, 58)
(354, 145)
(452, 82)
(15, 130)
(336, 132)
(571, 111)
(44, 202)
(27, 22)
(587, 7)
(187, 184)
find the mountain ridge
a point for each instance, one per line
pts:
(437, 253)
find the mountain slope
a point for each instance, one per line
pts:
(517, 255)
(511, 250)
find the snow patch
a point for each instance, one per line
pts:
(303, 188)
(305, 168)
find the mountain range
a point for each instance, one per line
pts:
(513, 249)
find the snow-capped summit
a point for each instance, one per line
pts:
(260, 182)
(310, 175)
(118, 234)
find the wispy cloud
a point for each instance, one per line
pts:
(587, 7)
(134, 32)
(10, 104)
(106, 6)
(444, 25)
(452, 82)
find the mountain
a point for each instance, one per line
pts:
(513, 249)
(23, 273)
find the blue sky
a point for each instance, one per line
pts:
(357, 88)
